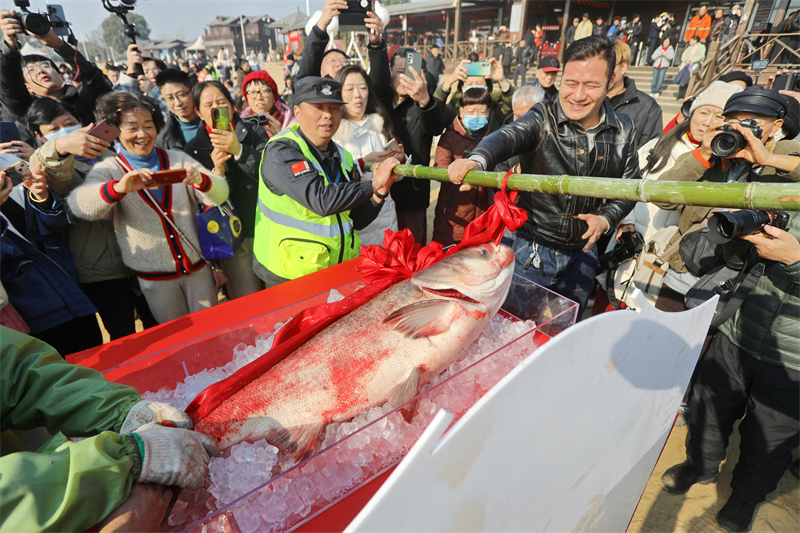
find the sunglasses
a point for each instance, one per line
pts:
(129, 111)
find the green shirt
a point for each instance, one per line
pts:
(65, 486)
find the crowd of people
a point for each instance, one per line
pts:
(107, 224)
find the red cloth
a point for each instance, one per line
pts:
(382, 266)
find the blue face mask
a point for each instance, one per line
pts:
(63, 131)
(475, 122)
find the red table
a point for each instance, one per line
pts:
(151, 351)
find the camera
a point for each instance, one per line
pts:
(729, 141)
(787, 82)
(40, 23)
(629, 246)
(728, 225)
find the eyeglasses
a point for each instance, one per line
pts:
(169, 98)
(264, 93)
(129, 111)
(341, 60)
(759, 123)
(42, 65)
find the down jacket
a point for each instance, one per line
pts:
(361, 139)
(767, 325)
(550, 143)
(455, 209)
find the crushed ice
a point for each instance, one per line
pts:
(323, 478)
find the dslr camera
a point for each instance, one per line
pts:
(729, 141)
(629, 246)
(40, 23)
(787, 82)
(728, 225)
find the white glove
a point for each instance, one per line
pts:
(148, 411)
(174, 456)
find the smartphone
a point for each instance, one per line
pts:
(220, 119)
(392, 145)
(58, 20)
(14, 167)
(169, 177)
(413, 59)
(352, 19)
(8, 132)
(479, 68)
(105, 131)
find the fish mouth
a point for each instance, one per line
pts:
(451, 293)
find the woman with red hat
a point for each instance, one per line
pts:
(261, 94)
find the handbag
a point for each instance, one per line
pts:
(219, 231)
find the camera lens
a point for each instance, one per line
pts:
(35, 23)
(728, 225)
(727, 143)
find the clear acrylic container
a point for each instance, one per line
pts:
(287, 499)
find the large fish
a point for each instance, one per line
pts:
(385, 350)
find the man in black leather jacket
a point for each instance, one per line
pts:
(578, 134)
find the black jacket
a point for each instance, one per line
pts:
(570, 38)
(643, 110)
(600, 30)
(635, 32)
(16, 99)
(241, 175)
(171, 138)
(415, 128)
(434, 65)
(551, 144)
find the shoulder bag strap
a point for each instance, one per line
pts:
(178, 231)
(167, 219)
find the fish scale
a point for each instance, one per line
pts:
(368, 356)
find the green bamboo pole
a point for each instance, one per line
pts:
(783, 196)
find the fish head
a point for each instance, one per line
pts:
(480, 273)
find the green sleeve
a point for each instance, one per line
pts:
(39, 388)
(70, 489)
(506, 100)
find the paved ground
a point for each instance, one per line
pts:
(696, 510)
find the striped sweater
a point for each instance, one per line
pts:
(150, 246)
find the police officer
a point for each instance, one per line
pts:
(310, 197)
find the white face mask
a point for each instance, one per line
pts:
(778, 135)
(63, 131)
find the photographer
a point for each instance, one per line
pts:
(144, 84)
(752, 365)
(766, 158)
(29, 77)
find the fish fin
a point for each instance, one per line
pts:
(409, 410)
(304, 439)
(423, 319)
(405, 391)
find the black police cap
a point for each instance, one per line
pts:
(316, 90)
(756, 99)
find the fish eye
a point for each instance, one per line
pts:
(484, 252)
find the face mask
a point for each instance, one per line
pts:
(475, 122)
(63, 131)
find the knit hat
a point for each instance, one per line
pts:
(263, 76)
(716, 94)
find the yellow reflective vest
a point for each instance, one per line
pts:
(292, 241)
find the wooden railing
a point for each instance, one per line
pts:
(462, 49)
(739, 54)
